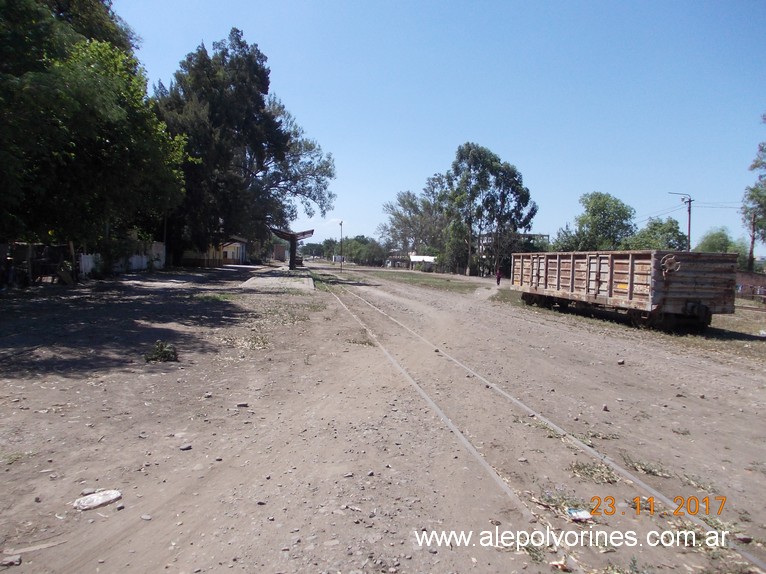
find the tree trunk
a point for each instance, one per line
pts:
(750, 256)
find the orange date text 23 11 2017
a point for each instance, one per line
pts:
(692, 505)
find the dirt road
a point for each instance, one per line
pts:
(329, 430)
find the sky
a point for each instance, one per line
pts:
(641, 100)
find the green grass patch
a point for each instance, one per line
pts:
(161, 352)
(508, 296)
(429, 280)
(214, 297)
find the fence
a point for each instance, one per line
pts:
(154, 259)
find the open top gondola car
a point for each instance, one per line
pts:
(662, 289)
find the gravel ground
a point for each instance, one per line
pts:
(324, 430)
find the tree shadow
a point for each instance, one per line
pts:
(713, 333)
(114, 324)
(717, 333)
(337, 280)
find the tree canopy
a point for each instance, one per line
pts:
(249, 162)
(606, 222)
(468, 216)
(417, 222)
(718, 240)
(86, 155)
(657, 234)
(486, 199)
(80, 150)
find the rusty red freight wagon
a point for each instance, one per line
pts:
(656, 288)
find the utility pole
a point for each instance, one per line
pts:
(341, 247)
(687, 199)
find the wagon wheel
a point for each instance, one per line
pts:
(637, 318)
(664, 321)
(527, 298)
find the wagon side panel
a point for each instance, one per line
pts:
(683, 281)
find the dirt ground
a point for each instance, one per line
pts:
(326, 430)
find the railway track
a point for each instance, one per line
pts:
(535, 420)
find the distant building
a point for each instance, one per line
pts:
(424, 262)
(235, 251)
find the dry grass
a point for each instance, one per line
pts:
(644, 467)
(731, 336)
(596, 472)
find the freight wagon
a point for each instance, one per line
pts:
(661, 289)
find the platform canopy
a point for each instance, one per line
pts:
(293, 237)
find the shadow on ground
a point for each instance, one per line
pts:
(713, 333)
(73, 331)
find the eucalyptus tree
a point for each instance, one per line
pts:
(509, 209)
(417, 222)
(487, 201)
(754, 217)
(470, 181)
(754, 203)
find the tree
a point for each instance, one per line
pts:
(312, 250)
(250, 162)
(96, 20)
(404, 219)
(754, 203)
(330, 247)
(606, 221)
(219, 102)
(83, 153)
(603, 226)
(487, 198)
(470, 181)
(417, 222)
(718, 240)
(509, 209)
(363, 251)
(754, 218)
(759, 163)
(658, 234)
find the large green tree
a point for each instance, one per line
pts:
(718, 240)
(363, 251)
(82, 152)
(606, 222)
(657, 234)
(249, 161)
(417, 222)
(486, 199)
(302, 177)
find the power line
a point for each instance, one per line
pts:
(666, 211)
(721, 203)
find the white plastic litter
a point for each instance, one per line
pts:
(97, 499)
(578, 515)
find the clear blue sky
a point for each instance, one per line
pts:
(635, 99)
